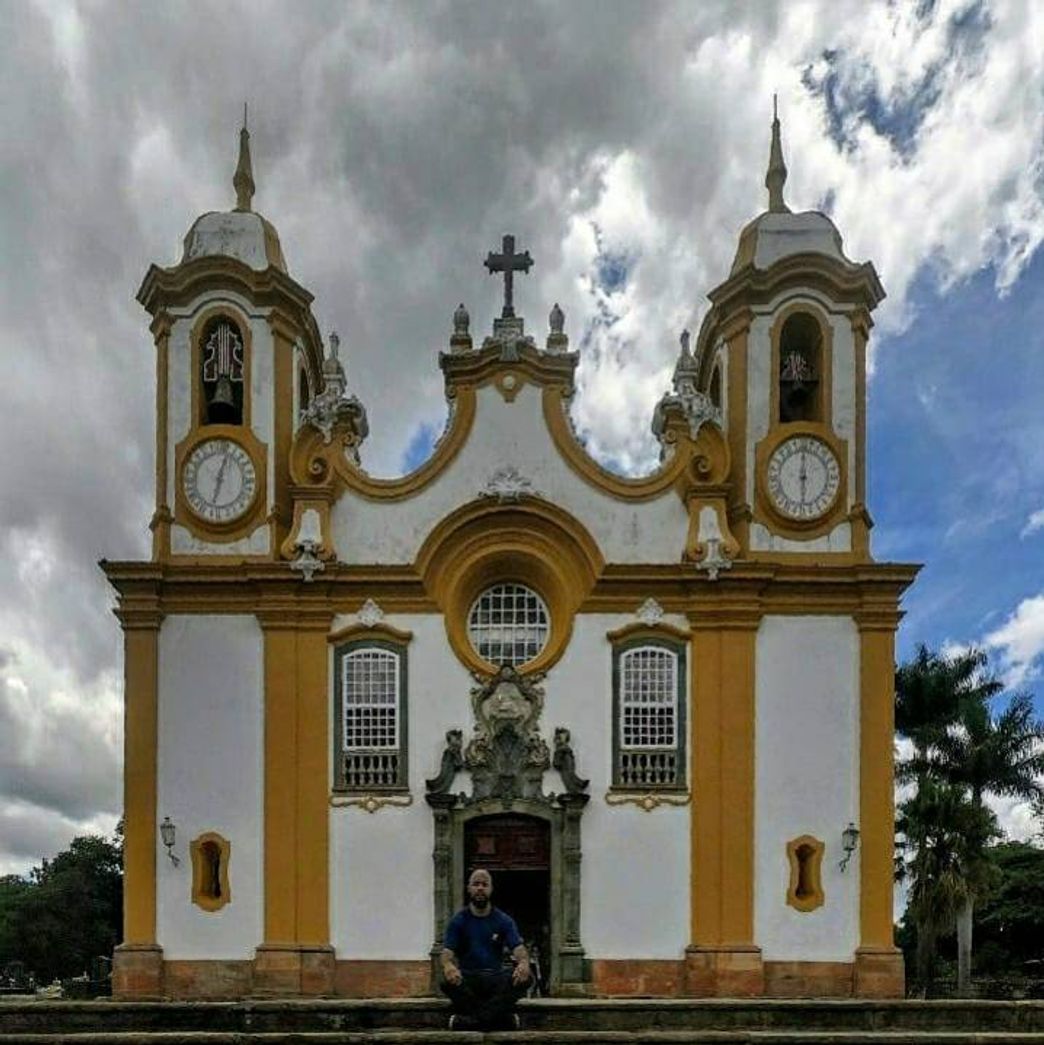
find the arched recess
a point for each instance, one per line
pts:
(563, 817)
(531, 542)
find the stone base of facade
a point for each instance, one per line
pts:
(879, 974)
(808, 979)
(724, 973)
(208, 979)
(637, 978)
(293, 970)
(382, 979)
(137, 971)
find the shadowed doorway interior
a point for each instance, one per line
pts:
(516, 850)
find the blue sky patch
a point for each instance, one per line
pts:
(419, 448)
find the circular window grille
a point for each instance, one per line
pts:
(508, 624)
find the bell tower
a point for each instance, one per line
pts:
(789, 330)
(238, 357)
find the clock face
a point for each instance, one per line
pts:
(219, 480)
(803, 477)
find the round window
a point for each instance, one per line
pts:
(508, 624)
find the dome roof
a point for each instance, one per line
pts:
(773, 235)
(244, 235)
(241, 233)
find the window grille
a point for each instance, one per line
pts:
(650, 742)
(370, 698)
(508, 624)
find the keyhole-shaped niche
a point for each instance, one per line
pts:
(805, 855)
(210, 855)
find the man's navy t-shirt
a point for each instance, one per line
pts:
(479, 942)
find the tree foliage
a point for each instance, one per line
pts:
(66, 912)
(963, 750)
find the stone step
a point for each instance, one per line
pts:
(445, 1037)
(549, 1017)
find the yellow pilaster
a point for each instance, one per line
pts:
(138, 968)
(283, 338)
(879, 965)
(160, 524)
(296, 957)
(722, 957)
(737, 336)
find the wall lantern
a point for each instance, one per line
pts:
(849, 841)
(168, 833)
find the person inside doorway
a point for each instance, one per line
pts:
(481, 987)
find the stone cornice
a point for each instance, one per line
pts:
(868, 592)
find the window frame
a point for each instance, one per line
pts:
(678, 649)
(530, 591)
(342, 651)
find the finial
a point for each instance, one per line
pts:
(335, 344)
(243, 181)
(684, 339)
(461, 320)
(776, 176)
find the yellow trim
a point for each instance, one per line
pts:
(639, 630)
(532, 542)
(876, 777)
(722, 744)
(141, 826)
(555, 403)
(199, 871)
(380, 630)
(162, 519)
(284, 350)
(242, 525)
(814, 897)
(296, 788)
(766, 511)
(315, 463)
(861, 521)
(738, 337)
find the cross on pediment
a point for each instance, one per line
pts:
(509, 263)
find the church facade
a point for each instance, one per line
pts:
(658, 708)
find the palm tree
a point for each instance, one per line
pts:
(941, 833)
(986, 753)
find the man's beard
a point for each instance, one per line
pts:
(481, 902)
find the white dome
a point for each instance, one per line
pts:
(244, 235)
(778, 234)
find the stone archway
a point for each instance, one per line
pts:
(506, 760)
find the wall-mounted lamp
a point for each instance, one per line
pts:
(849, 841)
(168, 832)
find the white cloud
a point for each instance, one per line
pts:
(1019, 641)
(1034, 523)
(393, 146)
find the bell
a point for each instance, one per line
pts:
(222, 407)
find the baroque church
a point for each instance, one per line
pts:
(659, 709)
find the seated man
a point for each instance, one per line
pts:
(482, 990)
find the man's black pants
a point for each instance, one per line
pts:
(487, 997)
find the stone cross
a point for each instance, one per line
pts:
(509, 263)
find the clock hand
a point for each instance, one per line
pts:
(220, 476)
(803, 475)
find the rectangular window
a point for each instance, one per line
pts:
(648, 716)
(370, 707)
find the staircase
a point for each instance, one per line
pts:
(544, 1021)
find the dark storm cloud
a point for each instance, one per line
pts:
(394, 144)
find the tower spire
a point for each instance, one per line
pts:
(776, 177)
(243, 180)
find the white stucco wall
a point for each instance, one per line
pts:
(509, 434)
(807, 744)
(385, 857)
(839, 539)
(210, 767)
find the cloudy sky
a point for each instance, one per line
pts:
(624, 144)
